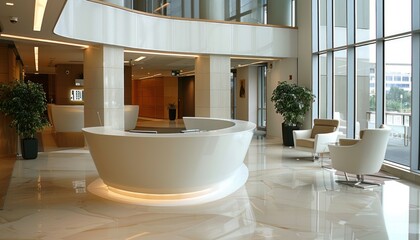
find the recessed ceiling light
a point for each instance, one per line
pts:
(36, 58)
(39, 11)
(10, 4)
(162, 53)
(139, 58)
(42, 40)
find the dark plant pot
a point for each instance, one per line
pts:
(172, 114)
(29, 147)
(288, 134)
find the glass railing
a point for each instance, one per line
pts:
(398, 122)
(398, 150)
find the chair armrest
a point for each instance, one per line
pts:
(297, 134)
(323, 139)
(347, 141)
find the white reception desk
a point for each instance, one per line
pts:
(171, 169)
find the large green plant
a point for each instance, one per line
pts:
(25, 103)
(292, 102)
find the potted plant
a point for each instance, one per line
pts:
(292, 102)
(172, 111)
(25, 103)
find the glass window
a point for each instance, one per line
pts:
(253, 11)
(365, 20)
(340, 23)
(397, 16)
(175, 9)
(322, 24)
(366, 88)
(398, 100)
(323, 93)
(382, 62)
(340, 90)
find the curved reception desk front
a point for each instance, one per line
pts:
(202, 164)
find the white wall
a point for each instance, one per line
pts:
(278, 71)
(246, 108)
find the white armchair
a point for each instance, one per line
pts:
(360, 157)
(316, 140)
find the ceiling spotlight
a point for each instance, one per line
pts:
(14, 19)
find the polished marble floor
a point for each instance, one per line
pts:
(283, 199)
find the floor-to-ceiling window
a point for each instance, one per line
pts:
(365, 88)
(368, 52)
(398, 98)
(322, 86)
(340, 90)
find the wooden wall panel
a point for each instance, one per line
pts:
(64, 81)
(127, 85)
(8, 136)
(153, 95)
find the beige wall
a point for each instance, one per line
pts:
(300, 69)
(246, 106)
(278, 71)
(304, 63)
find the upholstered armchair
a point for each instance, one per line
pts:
(360, 156)
(316, 140)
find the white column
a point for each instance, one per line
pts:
(212, 86)
(104, 86)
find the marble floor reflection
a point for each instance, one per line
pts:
(282, 199)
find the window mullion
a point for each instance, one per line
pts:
(351, 75)
(415, 88)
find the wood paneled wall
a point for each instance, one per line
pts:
(9, 71)
(65, 74)
(153, 96)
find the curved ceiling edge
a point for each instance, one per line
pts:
(103, 24)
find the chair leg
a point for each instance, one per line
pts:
(322, 162)
(347, 182)
(381, 176)
(359, 183)
(346, 176)
(361, 178)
